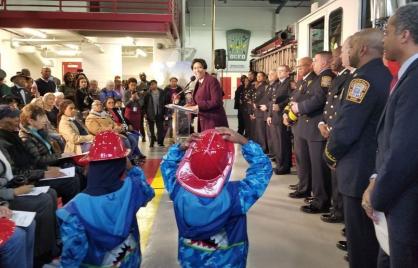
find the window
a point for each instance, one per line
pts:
(316, 36)
(335, 28)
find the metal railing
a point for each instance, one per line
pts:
(114, 6)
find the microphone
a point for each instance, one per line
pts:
(193, 78)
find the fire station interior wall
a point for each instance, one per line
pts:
(351, 23)
(262, 22)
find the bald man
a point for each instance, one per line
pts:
(44, 83)
(309, 146)
(351, 147)
(303, 187)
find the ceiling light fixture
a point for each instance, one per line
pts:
(72, 46)
(69, 53)
(34, 32)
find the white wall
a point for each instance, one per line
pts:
(259, 20)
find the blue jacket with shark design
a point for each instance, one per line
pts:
(102, 231)
(213, 231)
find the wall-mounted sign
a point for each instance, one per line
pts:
(237, 41)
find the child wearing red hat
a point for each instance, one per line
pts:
(210, 210)
(99, 226)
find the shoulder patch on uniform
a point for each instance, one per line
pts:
(326, 81)
(357, 90)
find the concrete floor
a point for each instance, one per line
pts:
(280, 235)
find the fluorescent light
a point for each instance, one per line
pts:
(72, 46)
(15, 44)
(67, 52)
(34, 32)
(141, 53)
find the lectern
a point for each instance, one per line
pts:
(182, 119)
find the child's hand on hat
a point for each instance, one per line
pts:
(232, 136)
(193, 137)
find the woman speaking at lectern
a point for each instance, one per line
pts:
(207, 98)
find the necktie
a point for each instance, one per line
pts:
(393, 83)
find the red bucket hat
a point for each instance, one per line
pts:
(107, 145)
(7, 228)
(206, 165)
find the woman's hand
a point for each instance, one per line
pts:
(23, 189)
(5, 212)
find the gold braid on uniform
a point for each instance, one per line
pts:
(330, 159)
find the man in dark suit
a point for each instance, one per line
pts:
(304, 185)
(394, 189)
(328, 119)
(19, 91)
(309, 105)
(351, 147)
(278, 132)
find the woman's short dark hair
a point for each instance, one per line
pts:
(201, 61)
(132, 80)
(30, 111)
(107, 100)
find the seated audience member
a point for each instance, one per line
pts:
(53, 136)
(211, 210)
(94, 89)
(50, 109)
(11, 101)
(59, 98)
(19, 90)
(17, 250)
(99, 120)
(108, 92)
(41, 151)
(117, 114)
(12, 186)
(4, 88)
(99, 226)
(75, 134)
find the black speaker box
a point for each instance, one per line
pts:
(220, 59)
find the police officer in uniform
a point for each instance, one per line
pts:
(304, 185)
(309, 106)
(351, 147)
(325, 126)
(279, 134)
